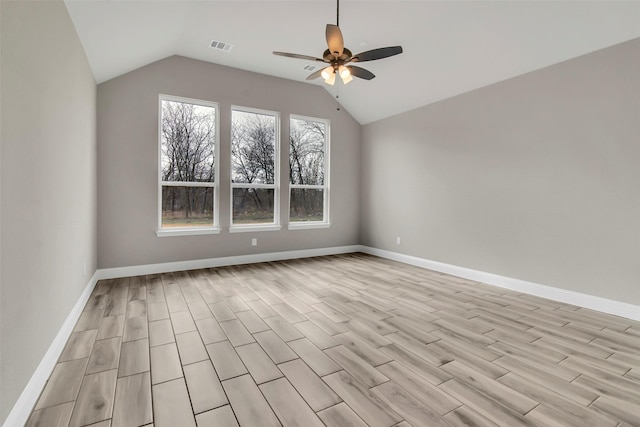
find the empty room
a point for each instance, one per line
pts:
(319, 213)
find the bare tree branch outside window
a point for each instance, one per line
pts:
(187, 137)
(253, 167)
(307, 146)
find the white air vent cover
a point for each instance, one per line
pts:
(216, 44)
(309, 68)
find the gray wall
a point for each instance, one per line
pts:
(535, 178)
(48, 122)
(128, 162)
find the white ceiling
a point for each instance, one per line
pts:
(450, 47)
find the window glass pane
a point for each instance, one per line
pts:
(188, 142)
(306, 152)
(306, 205)
(253, 206)
(187, 206)
(253, 139)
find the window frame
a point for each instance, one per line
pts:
(275, 225)
(198, 230)
(326, 222)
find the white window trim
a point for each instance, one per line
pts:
(269, 226)
(308, 225)
(195, 231)
(326, 222)
(189, 231)
(253, 228)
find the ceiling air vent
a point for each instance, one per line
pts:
(225, 47)
(309, 68)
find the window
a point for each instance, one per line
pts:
(254, 169)
(308, 172)
(188, 166)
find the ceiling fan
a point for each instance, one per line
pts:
(340, 58)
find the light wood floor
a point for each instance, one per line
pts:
(348, 340)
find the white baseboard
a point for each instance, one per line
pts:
(20, 412)
(592, 302)
(167, 267)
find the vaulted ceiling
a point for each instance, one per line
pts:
(450, 47)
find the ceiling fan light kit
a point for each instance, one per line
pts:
(339, 57)
(327, 72)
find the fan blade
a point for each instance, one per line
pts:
(360, 72)
(334, 40)
(296, 56)
(372, 55)
(315, 74)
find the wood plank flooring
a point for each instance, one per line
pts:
(348, 340)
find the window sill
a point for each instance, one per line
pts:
(253, 228)
(308, 225)
(167, 232)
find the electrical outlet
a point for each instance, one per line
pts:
(254, 242)
(397, 240)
